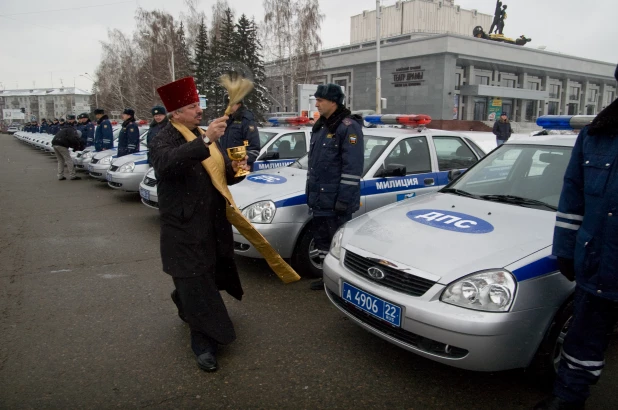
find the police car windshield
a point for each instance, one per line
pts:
(265, 137)
(523, 175)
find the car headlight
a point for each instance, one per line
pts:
(106, 161)
(492, 291)
(87, 155)
(128, 167)
(335, 244)
(261, 212)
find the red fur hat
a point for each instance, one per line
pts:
(179, 94)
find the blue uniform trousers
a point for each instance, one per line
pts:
(324, 228)
(584, 346)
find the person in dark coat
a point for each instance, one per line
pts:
(159, 121)
(44, 126)
(54, 127)
(585, 244)
(128, 139)
(336, 160)
(81, 128)
(197, 244)
(502, 129)
(242, 130)
(67, 137)
(103, 134)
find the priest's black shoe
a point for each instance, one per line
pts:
(207, 362)
(556, 403)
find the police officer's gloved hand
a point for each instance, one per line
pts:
(341, 207)
(567, 268)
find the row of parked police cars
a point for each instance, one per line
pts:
(449, 255)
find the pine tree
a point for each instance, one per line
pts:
(201, 63)
(258, 101)
(216, 93)
(227, 38)
(183, 60)
(242, 43)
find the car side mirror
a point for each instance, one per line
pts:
(453, 174)
(269, 155)
(391, 170)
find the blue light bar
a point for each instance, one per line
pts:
(274, 121)
(564, 122)
(373, 119)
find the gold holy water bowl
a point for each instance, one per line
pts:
(238, 154)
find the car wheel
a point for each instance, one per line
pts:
(547, 360)
(305, 259)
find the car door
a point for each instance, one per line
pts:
(451, 153)
(413, 153)
(283, 150)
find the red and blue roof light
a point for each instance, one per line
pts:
(295, 121)
(564, 122)
(411, 120)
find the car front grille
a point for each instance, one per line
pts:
(96, 174)
(115, 184)
(393, 278)
(150, 182)
(113, 168)
(94, 161)
(404, 336)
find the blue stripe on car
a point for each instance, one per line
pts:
(541, 267)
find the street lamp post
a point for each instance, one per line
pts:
(378, 74)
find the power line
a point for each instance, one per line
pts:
(68, 9)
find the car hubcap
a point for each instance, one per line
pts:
(314, 255)
(560, 342)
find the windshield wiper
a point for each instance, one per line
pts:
(518, 200)
(459, 192)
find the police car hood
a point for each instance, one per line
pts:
(138, 157)
(277, 185)
(102, 154)
(449, 236)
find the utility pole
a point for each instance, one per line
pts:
(378, 74)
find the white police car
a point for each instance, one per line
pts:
(101, 161)
(148, 190)
(282, 144)
(465, 276)
(399, 164)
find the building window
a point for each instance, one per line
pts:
(554, 91)
(572, 109)
(530, 111)
(552, 108)
(592, 95)
(508, 83)
(482, 80)
(609, 96)
(533, 86)
(573, 93)
(590, 110)
(457, 81)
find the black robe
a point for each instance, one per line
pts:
(196, 237)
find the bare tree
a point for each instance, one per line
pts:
(193, 19)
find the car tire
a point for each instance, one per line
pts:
(304, 256)
(544, 366)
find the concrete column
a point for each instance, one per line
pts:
(583, 98)
(469, 74)
(602, 91)
(469, 102)
(564, 97)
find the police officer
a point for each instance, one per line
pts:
(87, 129)
(335, 167)
(159, 121)
(103, 135)
(53, 128)
(242, 130)
(128, 139)
(44, 126)
(586, 244)
(67, 137)
(80, 127)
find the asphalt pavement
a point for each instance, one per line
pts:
(86, 321)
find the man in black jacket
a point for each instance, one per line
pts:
(502, 129)
(197, 243)
(241, 131)
(159, 121)
(67, 137)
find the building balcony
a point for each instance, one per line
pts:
(554, 95)
(573, 97)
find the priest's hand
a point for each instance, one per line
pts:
(236, 165)
(216, 129)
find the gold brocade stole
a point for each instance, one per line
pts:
(215, 166)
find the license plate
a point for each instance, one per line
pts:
(90, 168)
(108, 177)
(144, 194)
(372, 304)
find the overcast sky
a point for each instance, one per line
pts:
(45, 41)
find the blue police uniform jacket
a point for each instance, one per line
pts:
(128, 139)
(53, 129)
(89, 132)
(335, 168)
(81, 128)
(242, 130)
(44, 128)
(103, 135)
(587, 218)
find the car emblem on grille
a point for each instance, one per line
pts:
(376, 273)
